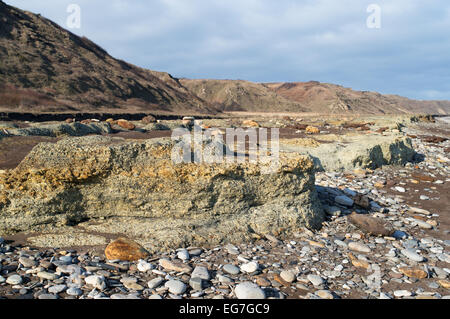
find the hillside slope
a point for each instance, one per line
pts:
(45, 67)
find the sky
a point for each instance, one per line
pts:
(391, 46)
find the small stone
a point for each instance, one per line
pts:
(126, 124)
(250, 267)
(414, 272)
(359, 247)
(370, 225)
(57, 289)
(423, 224)
(231, 269)
(196, 283)
(47, 275)
(402, 293)
(288, 276)
(27, 262)
(412, 255)
(73, 291)
(14, 280)
(200, 272)
(154, 283)
(400, 189)
(96, 281)
(149, 119)
(174, 265)
(249, 290)
(126, 250)
(157, 297)
(344, 200)
(325, 294)
(444, 283)
(176, 287)
(263, 282)
(144, 266)
(316, 280)
(183, 255)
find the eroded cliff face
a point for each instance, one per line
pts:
(109, 185)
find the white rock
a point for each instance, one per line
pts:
(183, 254)
(360, 247)
(287, 275)
(400, 189)
(402, 293)
(14, 280)
(176, 287)
(249, 290)
(154, 283)
(231, 269)
(412, 255)
(250, 267)
(422, 224)
(144, 266)
(96, 281)
(316, 280)
(200, 272)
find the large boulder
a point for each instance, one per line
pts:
(112, 186)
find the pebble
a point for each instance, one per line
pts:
(14, 280)
(402, 293)
(183, 255)
(288, 275)
(359, 247)
(155, 283)
(249, 290)
(316, 280)
(231, 269)
(47, 275)
(176, 287)
(250, 267)
(57, 289)
(47, 296)
(144, 266)
(412, 255)
(200, 272)
(344, 200)
(73, 291)
(324, 294)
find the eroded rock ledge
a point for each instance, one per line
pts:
(132, 188)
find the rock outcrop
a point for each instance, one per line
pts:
(132, 188)
(357, 151)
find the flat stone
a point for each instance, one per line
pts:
(200, 272)
(14, 280)
(344, 200)
(370, 225)
(231, 269)
(250, 267)
(359, 247)
(96, 281)
(73, 291)
(175, 266)
(414, 272)
(125, 249)
(316, 280)
(57, 289)
(412, 255)
(325, 294)
(144, 266)
(288, 275)
(423, 224)
(402, 293)
(154, 283)
(47, 275)
(27, 262)
(249, 290)
(176, 287)
(183, 255)
(196, 283)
